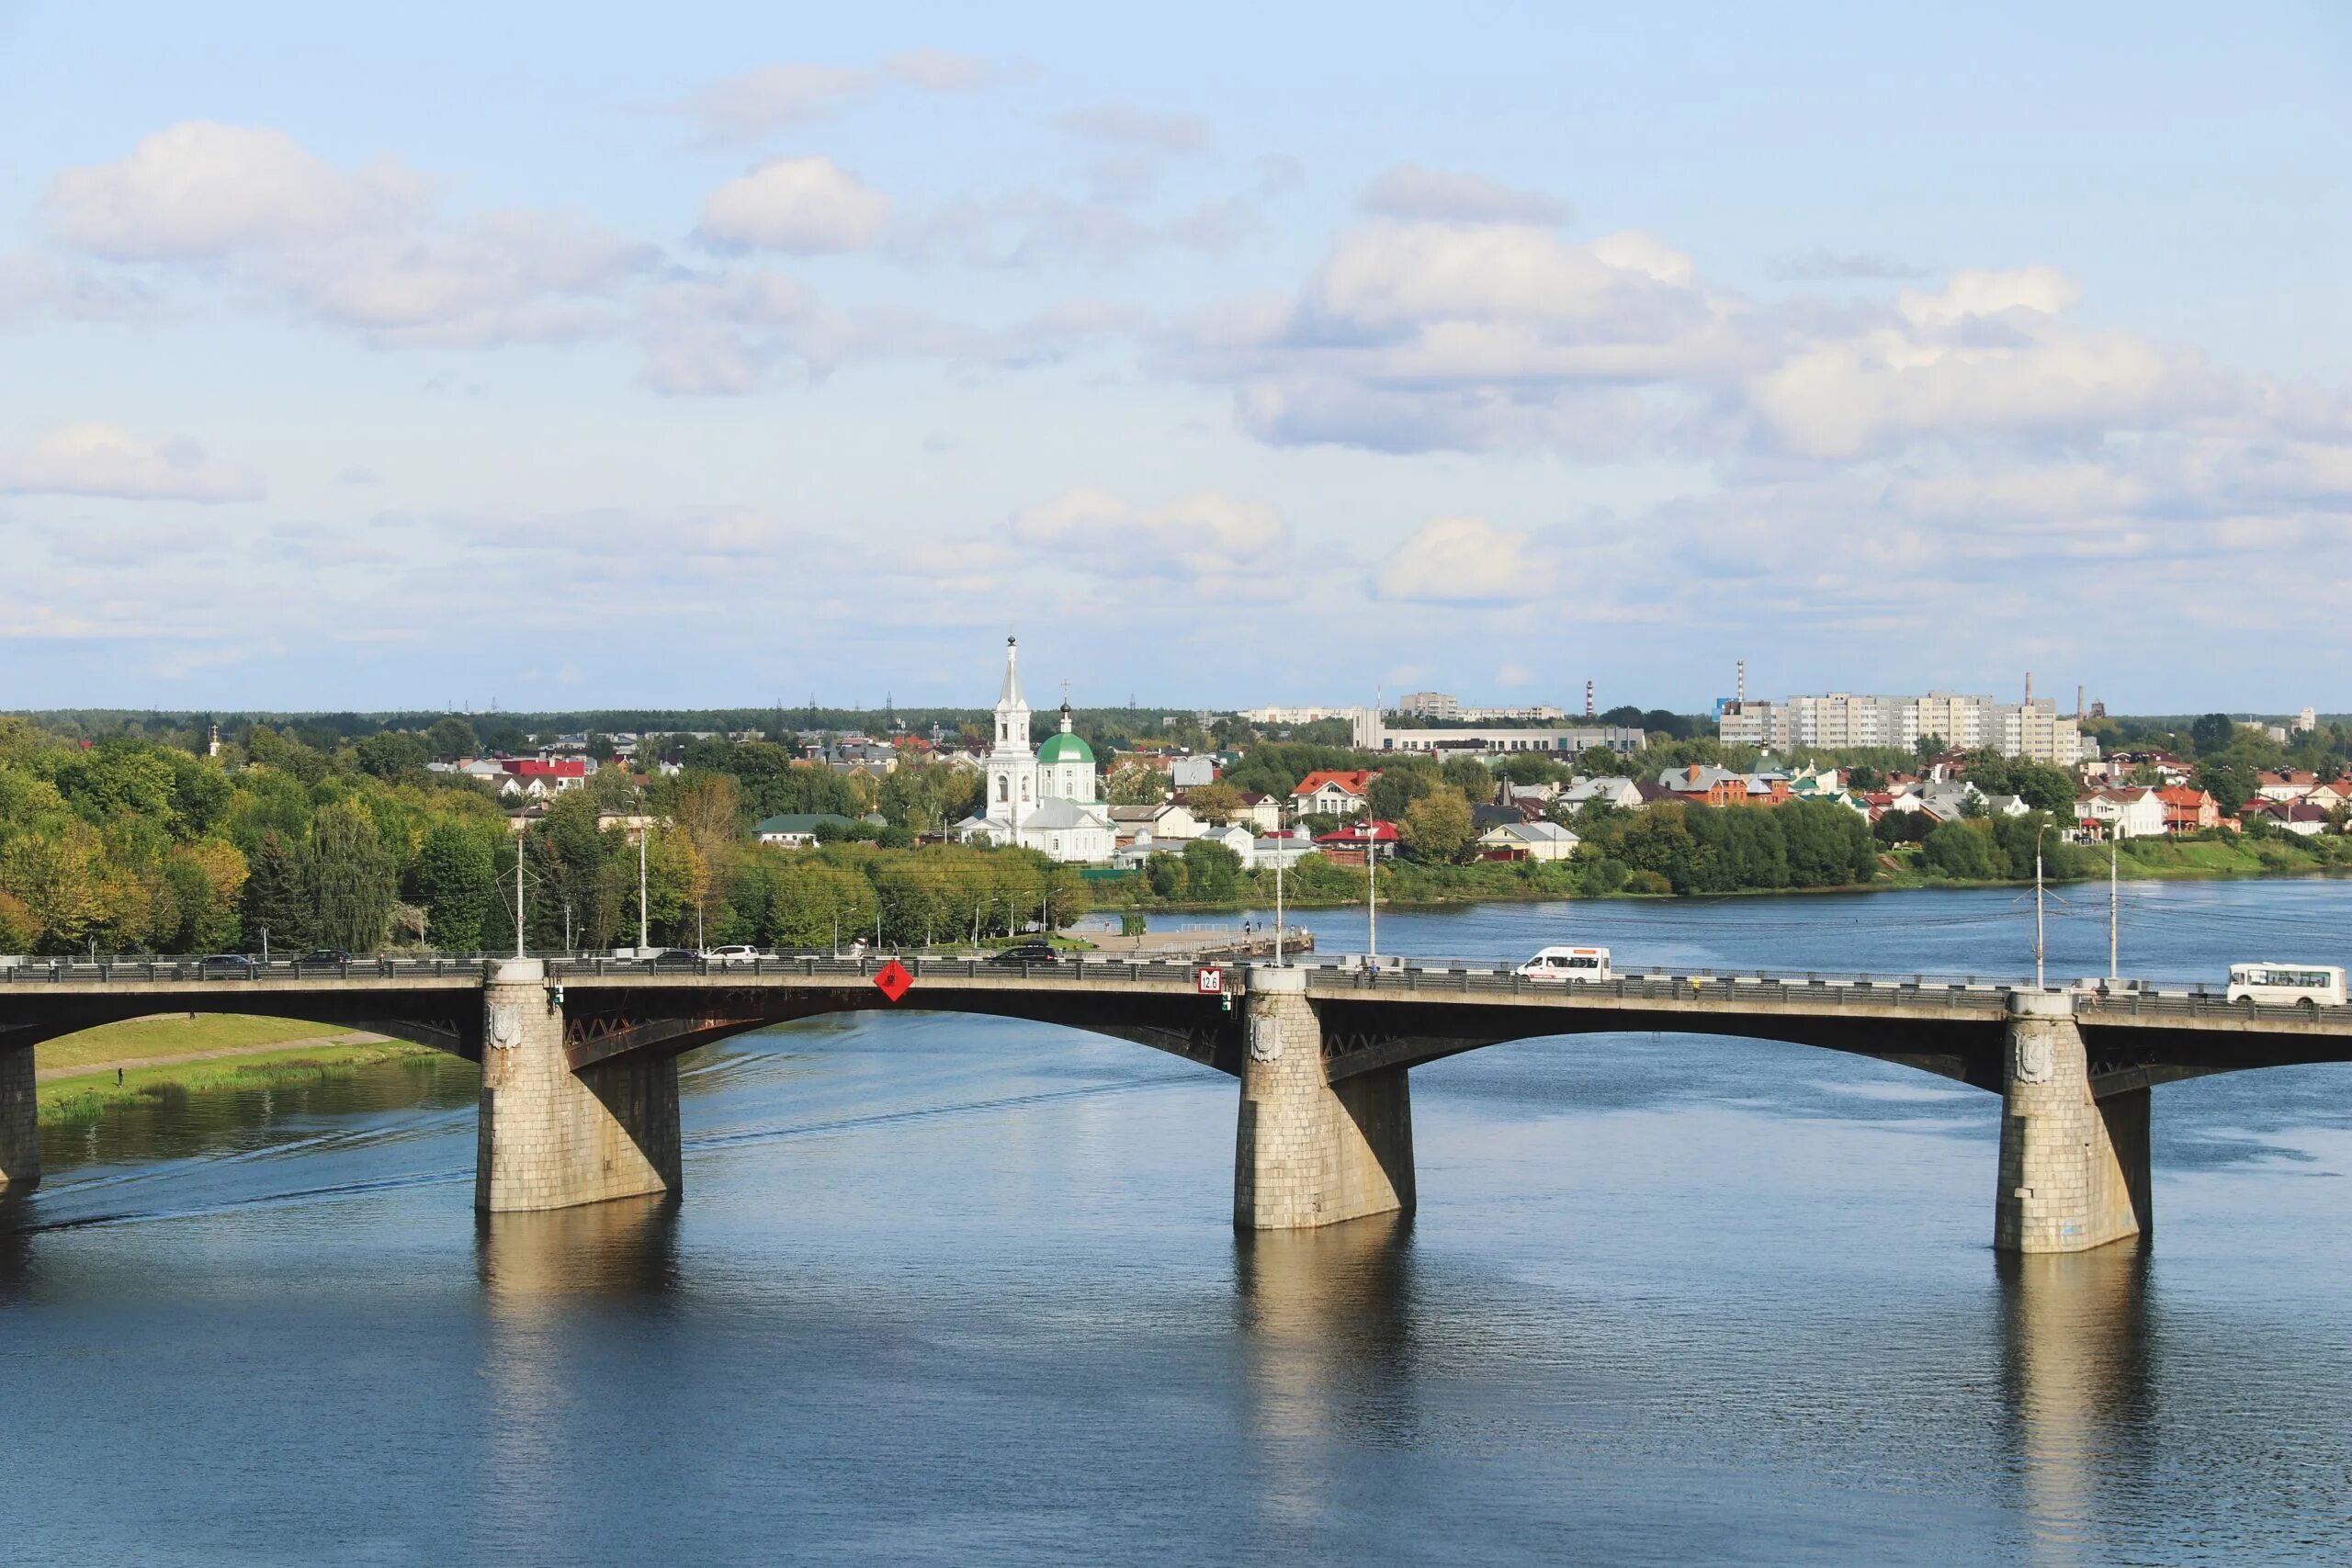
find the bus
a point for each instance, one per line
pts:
(2285, 985)
(1569, 963)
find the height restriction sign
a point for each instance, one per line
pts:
(1209, 980)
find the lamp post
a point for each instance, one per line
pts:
(2037, 904)
(1281, 842)
(1371, 890)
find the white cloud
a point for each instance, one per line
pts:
(205, 189)
(740, 107)
(1466, 561)
(1415, 193)
(1125, 125)
(806, 206)
(105, 460)
(942, 70)
(1204, 536)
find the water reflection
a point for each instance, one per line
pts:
(2075, 1355)
(1329, 1358)
(16, 1244)
(540, 1274)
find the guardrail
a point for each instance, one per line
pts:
(54, 971)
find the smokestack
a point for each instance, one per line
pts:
(2028, 688)
(1588, 699)
(2079, 700)
(1743, 681)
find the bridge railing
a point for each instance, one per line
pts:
(138, 968)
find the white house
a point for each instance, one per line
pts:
(1190, 772)
(1332, 792)
(1528, 840)
(1164, 822)
(2128, 813)
(1266, 852)
(1608, 789)
(1234, 836)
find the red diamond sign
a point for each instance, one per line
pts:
(893, 980)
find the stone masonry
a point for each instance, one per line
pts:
(19, 1124)
(551, 1139)
(2073, 1169)
(1307, 1154)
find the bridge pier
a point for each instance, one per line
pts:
(19, 1123)
(551, 1139)
(2074, 1170)
(1306, 1152)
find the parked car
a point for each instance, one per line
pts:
(733, 954)
(227, 966)
(677, 958)
(1029, 953)
(1568, 964)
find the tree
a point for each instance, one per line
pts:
(277, 898)
(2230, 783)
(1930, 746)
(451, 738)
(1469, 775)
(1211, 871)
(354, 879)
(1958, 850)
(1215, 804)
(1398, 787)
(1437, 826)
(453, 880)
(393, 754)
(1600, 763)
(1167, 874)
(2212, 733)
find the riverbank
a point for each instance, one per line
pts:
(76, 1077)
(1407, 885)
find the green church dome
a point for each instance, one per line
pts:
(1067, 748)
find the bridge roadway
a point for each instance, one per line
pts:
(579, 1100)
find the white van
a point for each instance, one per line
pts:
(2285, 985)
(1576, 964)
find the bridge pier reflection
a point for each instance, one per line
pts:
(19, 1123)
(1327, 1314)
(2075, 1370)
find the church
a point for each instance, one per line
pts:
(1047, 799)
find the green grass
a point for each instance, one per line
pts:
(85, 1096)
(176, 1034)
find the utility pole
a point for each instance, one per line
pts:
(2113, 906)
(2037, 904)
(1281, 842)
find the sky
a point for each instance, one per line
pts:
(571, 355)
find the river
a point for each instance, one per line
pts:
(948, 1290)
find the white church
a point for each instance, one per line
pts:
(1048, 799)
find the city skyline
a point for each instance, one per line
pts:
(1306, 355)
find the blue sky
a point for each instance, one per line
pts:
(584, 356)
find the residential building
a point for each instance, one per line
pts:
(2130, 812)
(2189, 809)
(1352, 844)
(1332, 792)
(797, 829)
(1844, 720)
(1608, 790)
(1164, 823)
(1049, 799)
(1287, 848)
(1429, 705)
(2289, 783)
(1260, 811)
(1285, 718)
(1190, 772)
(2300, 817)
(1527, 840)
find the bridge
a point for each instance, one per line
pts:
(579, 1100)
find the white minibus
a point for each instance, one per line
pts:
(1567, 963)
(2284, 984)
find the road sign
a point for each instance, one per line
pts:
(893, 980)
(1209, 980)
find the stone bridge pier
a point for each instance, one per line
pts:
(550, 1137)
(2074, 1167)
(1308, 1153)
(19, 1123)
